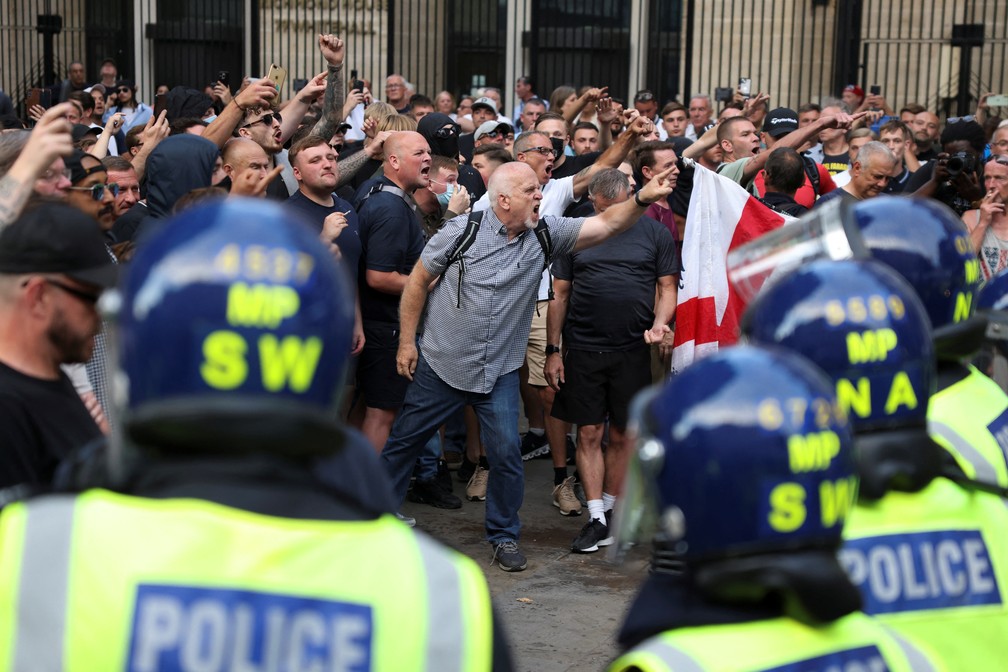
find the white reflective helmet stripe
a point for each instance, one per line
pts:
(445, 629)
(42, 590)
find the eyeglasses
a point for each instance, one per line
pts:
(545, 151)
(54, 175)
(447, 131)
(394, 86)
(98, 190)
(87, 297)
(1000, 143)
(266, 119)
(956, 120)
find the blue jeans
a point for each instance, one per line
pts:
(429, 403)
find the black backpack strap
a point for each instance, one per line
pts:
(463, 243)
(812, 170)
(546, 243)
(389, 189)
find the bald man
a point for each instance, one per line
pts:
(246, 165)
(475, 331)
(391, 239)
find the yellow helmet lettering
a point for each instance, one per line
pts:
(787, 507)
(224, 366)
(901, 393)
(289, 363)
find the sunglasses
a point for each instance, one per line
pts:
(999, 158)
(98, 190)
(956, 120)
(123, 89)
(266, 119)
(447, 131)
(86, 297)
(644, 97)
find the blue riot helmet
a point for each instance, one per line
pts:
(233, 328)
(992, 303)
(740, 459)
(929, 246)
(866, 328)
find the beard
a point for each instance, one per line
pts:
(72, 346)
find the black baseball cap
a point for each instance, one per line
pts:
(780, 121)
(53, 237)
(75, 165)
(79, 131)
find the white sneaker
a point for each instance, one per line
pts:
(411, 522)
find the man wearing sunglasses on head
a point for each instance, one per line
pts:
(53, 266)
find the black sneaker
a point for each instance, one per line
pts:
(507, 556)
(465, 470)
(571, 451)
(595, 533)
(533, 446)
(433, 493)
(444, 476)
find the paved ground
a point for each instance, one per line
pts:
(563, 611)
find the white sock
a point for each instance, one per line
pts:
(596, 510)
(608, 501)
(538, 431)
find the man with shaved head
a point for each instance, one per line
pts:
(391, 238)
(246, 164)
(476, 324)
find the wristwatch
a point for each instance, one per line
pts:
(550, 349)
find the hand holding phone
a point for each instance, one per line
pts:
(277, 75)
(745, 86)
(998, 100)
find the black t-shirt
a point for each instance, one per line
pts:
(573, 165)
(836, 163)
(41, 422)
(391, 241)
(349, 238)
(899, 183)
(945, 193)
(784, 203)
(612, 297)
(836, 193)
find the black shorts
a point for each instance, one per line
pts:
(377, 380)
(600, 384)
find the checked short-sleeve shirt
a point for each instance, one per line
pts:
(471, 340)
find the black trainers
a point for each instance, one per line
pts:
(433, 493)
(444, 476)
(533, 446)
(594, 534)
(465, 470)
(507, 556)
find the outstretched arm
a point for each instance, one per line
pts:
(332, 49)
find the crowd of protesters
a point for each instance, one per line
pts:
(392, 187)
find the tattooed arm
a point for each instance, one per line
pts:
(332, 49)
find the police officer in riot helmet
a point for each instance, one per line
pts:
(925, 243)
(925, 543)
(744, 473)
(992, 304)
(240, 524)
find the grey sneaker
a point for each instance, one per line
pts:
(476, 490)
(507, 556)
(411, 522)
(565, 500)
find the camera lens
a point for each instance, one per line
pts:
(955, 166)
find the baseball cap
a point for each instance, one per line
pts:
(80, 130)
(780, 121)
(77, 170)
(53, 237)
(485, 102)
(858, 91)
(490, 126)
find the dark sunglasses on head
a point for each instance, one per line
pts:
(447, 131)
(97, 190)
(956, 120)
(265, 119)
(999, 158)
(644, 97)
